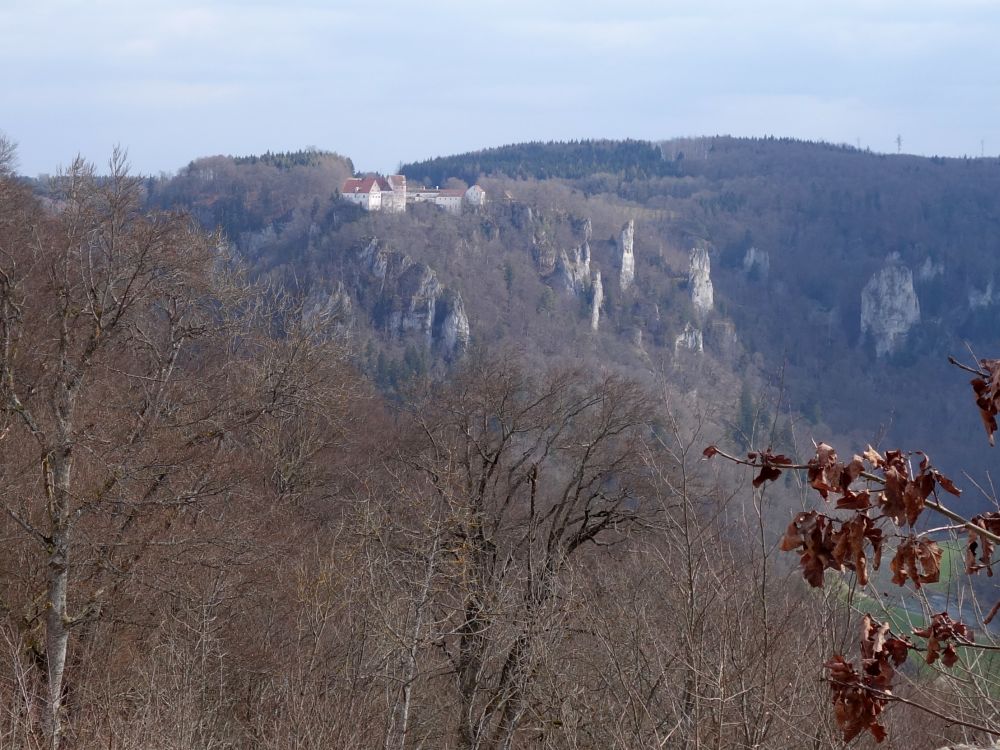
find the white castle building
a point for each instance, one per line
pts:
(377, 193)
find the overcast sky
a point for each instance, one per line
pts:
(392, 81)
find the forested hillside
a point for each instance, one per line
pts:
(797, 231)
(281, 472)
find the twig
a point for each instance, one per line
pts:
(992, 614)
(974, 371)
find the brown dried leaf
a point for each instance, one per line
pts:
(989, 522)
(855, 500)
(767, 474)
(856, 707)
(849, 545)
(824, 470)
(873, 457)
(987, 392)
(929, 556)
(794, 534)
(769, 466)
(946, 483)
(943, 630)
(916, 559)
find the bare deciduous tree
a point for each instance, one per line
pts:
(526, 472)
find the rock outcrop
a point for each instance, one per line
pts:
(597, 300)
(757, 262)
(690, 339)
(572, 272)
(414, 301)
(700, 280)
(452, 324)
(626, 238)
(409, 299)
(889, 307)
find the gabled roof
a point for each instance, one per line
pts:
(364, 184)
(359, 184)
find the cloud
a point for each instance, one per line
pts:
(453, 74)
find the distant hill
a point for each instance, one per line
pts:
(629, 159)
(799, 237)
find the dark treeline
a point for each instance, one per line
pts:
(289, 159)
(629, 159)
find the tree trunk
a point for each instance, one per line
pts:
(57, 619)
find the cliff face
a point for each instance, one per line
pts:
(452, 324)
(408, 298)
(700, 280)
(690, 339)
(889, 308)
(596, 302)
(572, 272)
(626, 240)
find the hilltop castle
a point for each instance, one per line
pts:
(377, 193)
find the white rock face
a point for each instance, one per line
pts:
(598, 298)
(415, 300)
(757, 259)
(625, 244)
(690, 340)
(700, 280)
(418, 289)
(889, 308)
(376, 259)
(573, 269)
(455, 325)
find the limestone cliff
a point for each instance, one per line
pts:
(414, 301)
(626, 239)
(407, 298)
(700, 280)
(572, 273)
(596, 301)
(690, 339)
(452, 324)
(889, 307)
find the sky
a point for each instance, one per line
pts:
(393, 81)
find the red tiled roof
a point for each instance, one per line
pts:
(359, 184)
(450, 193)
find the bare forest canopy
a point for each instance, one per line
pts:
(283, 472)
